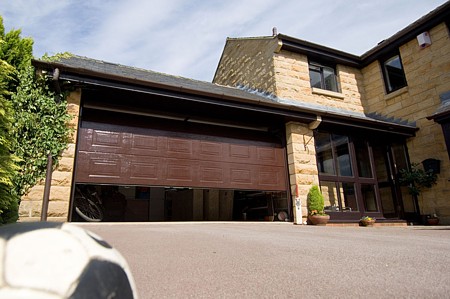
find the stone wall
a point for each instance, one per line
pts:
(248, 62)
(303, 171)
(427, 73)
(292, 82)
(58, 209)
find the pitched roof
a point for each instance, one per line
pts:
(95, 72)
(91, 68)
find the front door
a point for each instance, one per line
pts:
(396, 202)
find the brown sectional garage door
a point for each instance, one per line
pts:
(126, 155)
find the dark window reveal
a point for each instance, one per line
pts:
(446, 129)
(394, 77)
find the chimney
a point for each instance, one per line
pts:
(274, 31)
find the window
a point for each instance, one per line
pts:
(394, 77)
(323, 77)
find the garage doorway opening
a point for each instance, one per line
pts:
(123, 203)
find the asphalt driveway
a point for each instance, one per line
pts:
(282, 260)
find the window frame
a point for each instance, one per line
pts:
(320, 70)
(386, 74)
(358, 181)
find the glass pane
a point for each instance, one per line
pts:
(363, 160)
(380, 164)
(408, 201)
(330, 79)
(370, 202)
(395, 76)
(315, 78)
(343, 155)
(399, 152)
(324, 153)
(387, 202)
(348, 197)
(330, 195)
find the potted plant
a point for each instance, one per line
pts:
(367, 221)
(315, 204)
(415, 179)
(432, 219)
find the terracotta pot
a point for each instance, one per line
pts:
(318, 219)
(432, 221)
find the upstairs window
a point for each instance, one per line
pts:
(322, 76)
(394, 77)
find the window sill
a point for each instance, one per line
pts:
(328, 93)
(395, 93)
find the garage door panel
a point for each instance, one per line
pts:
(267, 155)
(144, 143)
(144, 168)
(240, 151)
(210, 150)
(214, 173)
(176, 146)
(180, 171)
(176, 161)
(98, 166)
(271, 177)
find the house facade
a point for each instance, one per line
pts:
(281, 115)
(404, 78)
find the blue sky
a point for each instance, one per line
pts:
(186, 38)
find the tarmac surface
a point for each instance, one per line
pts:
(282, 260)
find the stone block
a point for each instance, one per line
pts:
(61, 178)
(74, 97)
(60, 193)
(66, 164)
(306, 180)
(30, 208)
(35, 193)
(58, 209)
(69, 152)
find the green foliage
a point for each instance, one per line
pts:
(14, 49)
(33, 120)
(56, 57)
(315, 201)
(8, 168)
(40, 127)
(416, 179)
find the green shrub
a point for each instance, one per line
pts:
(315, 201)
(9, 200)
(416, 179)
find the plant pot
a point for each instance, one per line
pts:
(318, 219)
(366, 222)
(432, 221)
